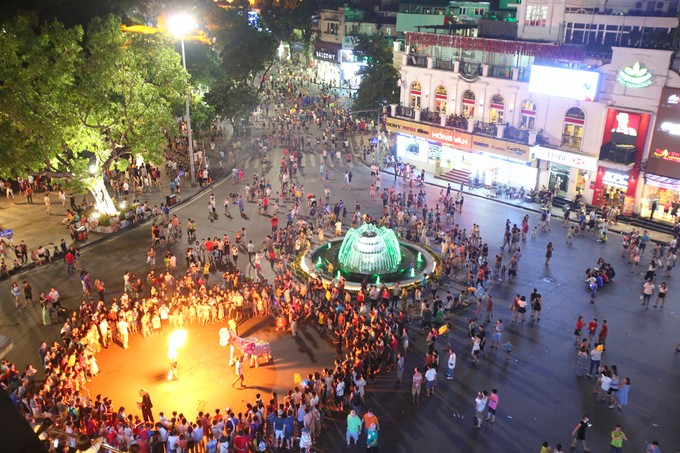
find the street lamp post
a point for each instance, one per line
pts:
(179, 25)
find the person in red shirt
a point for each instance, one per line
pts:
(602, 337)
(275, 223)
(592, 328)
(579, 328)
(241, 443)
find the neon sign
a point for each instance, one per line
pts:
(664, 154)
(635, 76)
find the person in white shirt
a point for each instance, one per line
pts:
(430, 378)
(123, 331)
(451, 365)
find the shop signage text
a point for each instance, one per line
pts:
(673, 156)
(349, 42)
(635, 76)
(565, 158)
(323, 54)
(615, 179)
(502, 148)
(449, 137)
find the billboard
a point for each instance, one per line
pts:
(565, 83)
(664, 151)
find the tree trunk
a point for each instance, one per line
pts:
(102, 200)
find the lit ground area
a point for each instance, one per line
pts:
(204, 372)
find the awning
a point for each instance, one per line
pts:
(662, 181)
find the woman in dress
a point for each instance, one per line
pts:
(622, 394)
(581, 363)
(548, 252)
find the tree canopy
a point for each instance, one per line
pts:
(70, 97)
(379, 77)
(283, 17)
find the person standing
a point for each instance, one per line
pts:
(604, 330)
(647, 291)
(400, 368)
(579, 433)
(595, 359)
(28, 293)
(548, 253)
(492, 405)
(661, 296)
(146, 405)
(581, 361)
(238, 369)
(480, 404)
(451, 365)
(430, 378)
(618, 437)
(417, 384)
(123, 330)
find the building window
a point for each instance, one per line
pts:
(496, 109)
(537, 16)
(469, 100)
(441, 100)
(574, 122)
(332, 28)
(528, 115)
(415, 94)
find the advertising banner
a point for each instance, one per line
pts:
(580, 161)
(664, 152)
(502, 148)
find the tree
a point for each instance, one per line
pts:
(246, 54)
(379, 77)
(284, 17)
(113, 99)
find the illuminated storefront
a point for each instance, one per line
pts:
(326, 62)
(571, 173)
(662, 180)
(623, 144)
(489, 161)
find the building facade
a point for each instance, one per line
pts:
(535, 115)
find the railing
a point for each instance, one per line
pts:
(569, 141)
(444, 64)
(408, 112)
(489, 129)
(457, 122)
(501, 72)
(416, 60)
(430, 117)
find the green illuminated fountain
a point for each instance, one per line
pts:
(369, 253)
(370, 250)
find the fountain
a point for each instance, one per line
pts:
(369, 252)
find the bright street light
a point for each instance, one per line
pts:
(180, 25)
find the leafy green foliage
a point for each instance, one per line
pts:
(244, 50)
(283, 17)
(379, 76)
(69, 98)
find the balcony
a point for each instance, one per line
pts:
(470, 69)
(516, 134)
(457, 122)
(430, 117)
(488, 129)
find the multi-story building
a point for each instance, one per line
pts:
(576, 117)
(337, 35)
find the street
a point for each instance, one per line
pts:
(540, 396)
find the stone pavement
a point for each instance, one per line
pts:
(30, 223)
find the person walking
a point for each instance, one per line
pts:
(647, 292)
(372, 439)
(400, 368)
(238, 370)
(48, 204)
(618, 437)
(353, 428)
(579, 433)
(16, 293)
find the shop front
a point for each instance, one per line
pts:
(489, 161)
(569, 173)
(661, 191)
(326, 62)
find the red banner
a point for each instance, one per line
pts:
(564, 52)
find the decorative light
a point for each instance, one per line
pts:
(181, 24)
